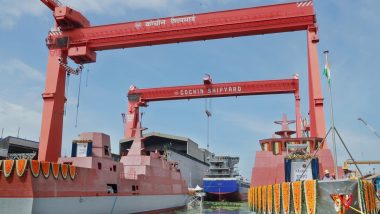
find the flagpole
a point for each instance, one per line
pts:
(332, 117)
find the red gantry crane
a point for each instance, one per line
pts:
(141, 97)
(73, 37)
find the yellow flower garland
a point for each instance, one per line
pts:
(285, 190)
(277, 199)
(310, 188)
(270, 199)
(256, 207)
(259, 198)
(297, 196)
(249, 198)
(264, 201)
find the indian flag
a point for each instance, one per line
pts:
(326, 71)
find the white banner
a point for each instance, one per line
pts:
(82, 149)
(299, 169)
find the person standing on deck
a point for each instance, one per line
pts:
(327, 176)
(346, 173)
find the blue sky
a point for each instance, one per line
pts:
(349, 29)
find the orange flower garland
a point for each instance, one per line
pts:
(374, 199)
(270, 199)
(8, 167)
(64, 170)
(249, 198)
(35, 168)
(72, 172)
(365, 185)
(297, 196)
(45, 166)
(264, 199)
(252, 198)
(285, 189)
(21, 167)
(310, 188)
(55, 168)
(255, 196)
(259, 198)
(276, 199)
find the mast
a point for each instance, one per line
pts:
(327, 68)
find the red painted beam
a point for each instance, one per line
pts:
(214, 25)
(214, 90)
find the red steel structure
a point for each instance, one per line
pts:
(141, 97)
(74, 37)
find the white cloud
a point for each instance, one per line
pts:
(12, 11)
(112, 6)
(14, 116)
(18, 68)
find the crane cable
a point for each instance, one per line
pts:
(208, 110)
(76, 117)
(66, 91)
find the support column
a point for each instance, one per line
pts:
(317, 117)
(53, 108)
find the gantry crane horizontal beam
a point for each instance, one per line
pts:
(141, 97)
(194, 27)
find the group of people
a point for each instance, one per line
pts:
(346, 175)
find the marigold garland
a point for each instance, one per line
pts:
(249, 198)
(264, 199)
(35, 168)
(72, 172)
(297, 196)
(8, 167)
(21, 167)
(373, 195)
(276, 199)
(259, 198)
(55, 170)
(361, 195)
(270, 199)
(285, 191)
(310, 187)
(255, 199)
(252, 198)
(367, 207)
(45, 166)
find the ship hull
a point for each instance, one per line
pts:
(221, 189)
(93, 205)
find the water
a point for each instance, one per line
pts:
(216, 208)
